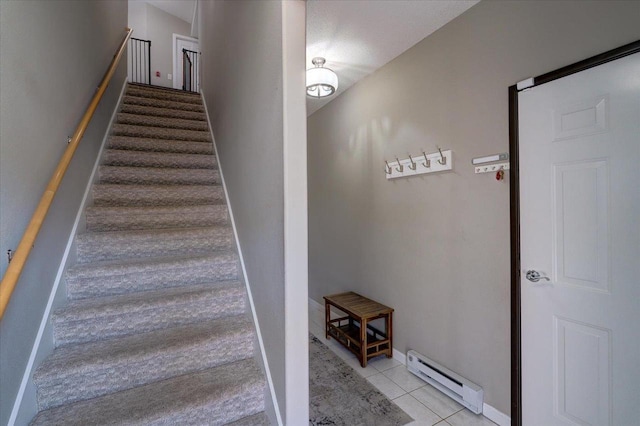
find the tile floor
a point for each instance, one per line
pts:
(424, 403)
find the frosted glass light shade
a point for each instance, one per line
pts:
(321, 81)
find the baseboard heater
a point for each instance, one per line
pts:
(458, 388)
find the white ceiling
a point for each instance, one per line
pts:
(357, 37)
(183, 9)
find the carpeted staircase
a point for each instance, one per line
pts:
(156, 328)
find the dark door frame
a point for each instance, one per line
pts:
(514, 197)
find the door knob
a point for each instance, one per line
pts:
(534, 276)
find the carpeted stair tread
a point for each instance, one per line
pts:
(162, 112)
(164, 95)
(214, 396)
(109, 278)
(158, 145)
(156, 195)
(160, 133)
(158, 175)
(159, 103)
(98, 246)
(117, 157)
(123, 218)
(150, 120)
(79, 372)
(117, 316)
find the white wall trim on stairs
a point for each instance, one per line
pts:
(244, 273)
(488, 411)
(63, 264)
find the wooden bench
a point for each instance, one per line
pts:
(353, 330)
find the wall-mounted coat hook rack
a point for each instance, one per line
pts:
(409, 167)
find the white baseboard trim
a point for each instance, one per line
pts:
(495, 415)
(244, 273)
(399, 356)
(63, 263)
(488, 411)
(315, 305)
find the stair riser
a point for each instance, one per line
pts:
(148, 176)
(157, 103)
(162, 112)
(122, 158)
(113, 195)
(165, 96)
(166, 122)
(140, 318)
(81, 287)
(95, 247)
(97, 221)
(160, 133)
(94, 380)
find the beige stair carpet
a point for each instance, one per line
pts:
(156, 329)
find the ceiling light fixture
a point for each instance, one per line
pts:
(321, 81)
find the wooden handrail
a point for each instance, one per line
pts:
(16, 265)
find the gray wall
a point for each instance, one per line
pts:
(160, 29)
(436, 247)
(54, 55)
(242, 81)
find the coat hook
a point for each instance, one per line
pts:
(427, 162)
(387, 169)
(444, 159)
(413, 165)
(9, 255)
(400, 167)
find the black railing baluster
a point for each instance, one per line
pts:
(140, 63)
(190, 79)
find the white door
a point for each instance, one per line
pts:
(183, 42)
(579, 142)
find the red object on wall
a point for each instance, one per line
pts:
(157, 73)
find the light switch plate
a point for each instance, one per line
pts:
(169, 76)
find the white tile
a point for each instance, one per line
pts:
(418, 423)
(415, 409)
(467, 418)
(403, 378)
(382, 363)
(437, 402)
(353, 362)
(386, 386)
